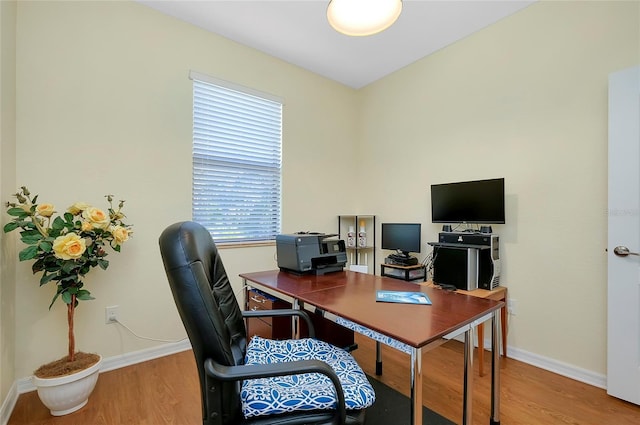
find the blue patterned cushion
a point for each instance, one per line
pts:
(309, 391)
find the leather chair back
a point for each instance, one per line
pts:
(208, 309)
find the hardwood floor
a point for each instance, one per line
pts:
(166, 391)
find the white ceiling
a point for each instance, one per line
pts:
(297, 32)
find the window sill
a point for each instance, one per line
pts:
(231, 245)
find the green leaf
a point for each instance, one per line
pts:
(54, 233)
(11, 226)
(28, 225)
(69, 280)
(46, 246)
(84, 295)
(17, 212)
(58, 224)
(31, 232)
(38, 266)
(67, 266)
(31, 239)
(46, 278)
(103, 264)
(51, 263)
(28, 253)
(66, 297)
(55, 297)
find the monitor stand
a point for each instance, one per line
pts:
(402, 259)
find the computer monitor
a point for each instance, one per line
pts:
(401, 237)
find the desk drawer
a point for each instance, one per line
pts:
(261, 301)
(267, 327)
(280, 327)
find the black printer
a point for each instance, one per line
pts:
(310, 253)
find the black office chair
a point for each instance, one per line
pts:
(238, 380)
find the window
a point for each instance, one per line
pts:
(237, 161)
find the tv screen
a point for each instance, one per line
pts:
(404, 237)
(479, 201)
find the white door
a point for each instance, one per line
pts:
(623, 327)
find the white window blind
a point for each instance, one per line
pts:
(237, 161)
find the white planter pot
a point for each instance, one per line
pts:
(66, 394)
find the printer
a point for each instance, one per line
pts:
(310, 253)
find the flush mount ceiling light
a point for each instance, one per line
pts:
(363, 17)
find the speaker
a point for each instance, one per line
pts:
(486, 229)
(446, 228)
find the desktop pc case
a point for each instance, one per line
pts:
(467, 267)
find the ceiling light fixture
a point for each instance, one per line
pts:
(363, 17)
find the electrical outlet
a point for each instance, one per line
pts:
(111, 314)
(511, 306)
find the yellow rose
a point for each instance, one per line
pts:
(96, 217)
(69, 246)
(77, 208)
(120, 234)
(86, 226)
(45, 210)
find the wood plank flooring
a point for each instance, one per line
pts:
(166, 391)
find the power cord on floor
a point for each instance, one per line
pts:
(145, 337)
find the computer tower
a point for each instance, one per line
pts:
(456, 266)
(489, 265)
(468, 266)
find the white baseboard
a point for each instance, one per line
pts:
(570, 371)
(565, 369)
(128, 359)
(8, 404)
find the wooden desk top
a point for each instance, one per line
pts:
(497, 293)
(351, 295)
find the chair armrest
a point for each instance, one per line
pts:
(283, 312)
(238, 373)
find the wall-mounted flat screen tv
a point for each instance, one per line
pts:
(478, 201)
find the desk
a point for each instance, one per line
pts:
(351, 295)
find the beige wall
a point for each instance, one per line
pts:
(525, 99)
(104, 106)
(7, 186)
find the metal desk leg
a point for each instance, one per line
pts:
(495, 369)
(295, 320)
(467, 397)
(245, 300)
(416, 386)
(378, 359)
